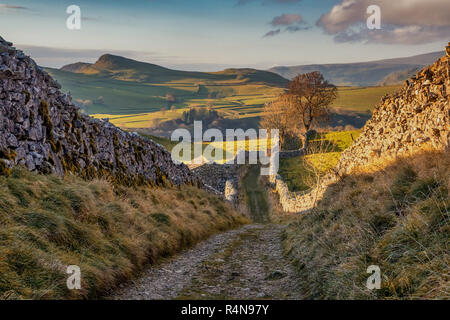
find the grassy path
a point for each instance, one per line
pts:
(256, 196)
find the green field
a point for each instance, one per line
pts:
(324, 152)
(122, 97)
(119, 86)
(350, 99)
(228, 150)
(361, 99)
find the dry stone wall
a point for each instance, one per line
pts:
(216, 175)
(220, 179)
(42, 129)
(418, 114)
(298, 202)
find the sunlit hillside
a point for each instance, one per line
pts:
(134, 94)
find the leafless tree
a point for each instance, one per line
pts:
(311, 96)
(305, 104)
(276, 115)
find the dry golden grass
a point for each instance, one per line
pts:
(47, 224)
(395, 216)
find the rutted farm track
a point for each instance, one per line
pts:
(246, 263)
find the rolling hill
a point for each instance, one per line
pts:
(135, 94)
(362, 73)
(398, 76)
(120, 68)
(116, 85)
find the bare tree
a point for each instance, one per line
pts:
(305, 104)
(276, 115)
(311, 96)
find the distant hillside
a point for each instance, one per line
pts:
(398, 77)
(116, 85)
(120, 68)
(79, 67)
(362, 73)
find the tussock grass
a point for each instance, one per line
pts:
(396, 217)
(47, 224)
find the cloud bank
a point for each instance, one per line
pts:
(403, 21)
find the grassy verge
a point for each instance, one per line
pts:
(47, 224)
(396, 217)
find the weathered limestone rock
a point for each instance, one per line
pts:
(230, 191)
(416, 115)
(41, 129)
(216, 175)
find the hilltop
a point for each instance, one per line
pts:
(363, 73)
(115, 85)
(121, 68)
(398, 77)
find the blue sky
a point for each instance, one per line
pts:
(213, 34)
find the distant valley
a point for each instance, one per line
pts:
(135, 94)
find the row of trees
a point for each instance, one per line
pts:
(305, 103)
(206, 115)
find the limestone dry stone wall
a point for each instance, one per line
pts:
(404, 122)
(298, 202)
(220, 179)
(42, 129)
(216, 175)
